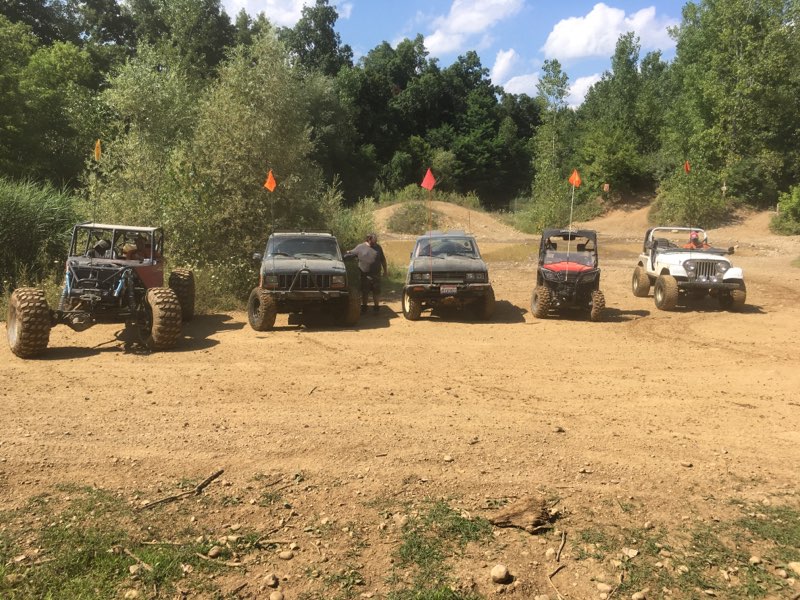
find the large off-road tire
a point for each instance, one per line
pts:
(598, 305)
(412, 307)
(734, 300)
(181, 281)
(261, 310)
(165, 313)
(485, 306)
(640, 283)
(350, 309)
(28, 322)
(665, 292)
(541, 300)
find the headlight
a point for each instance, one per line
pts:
(420, 277)
(689, 266)
(270, 281)
(338, 281)
(475, 277)
(722, 267)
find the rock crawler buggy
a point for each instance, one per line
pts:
(568, 275)
(113, 273)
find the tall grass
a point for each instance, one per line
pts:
(35, 225)
(414, 193)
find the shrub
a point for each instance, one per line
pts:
(690, 199)
(414, 218)
(787, 221)
(414, 193)
(35, 225)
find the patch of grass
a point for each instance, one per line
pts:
(440, 593)
(83, 550)
(796, 262)
(347, 580)
(427, 541)
(779, 525)
(596, 544)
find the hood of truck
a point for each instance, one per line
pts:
(449, 264)
(282, 265)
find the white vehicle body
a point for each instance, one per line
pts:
(676, 271)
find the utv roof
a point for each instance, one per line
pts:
(569, 233)
(108, 226)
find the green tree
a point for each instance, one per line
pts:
(314, 42)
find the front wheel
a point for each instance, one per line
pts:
(640, 282)
(734, 300)
(598, 305)
(350, 309)
(412, 307)
(665, 292)
(541, 299)
(28, 322)
(485, 306)
(261, 310)
(165, 318)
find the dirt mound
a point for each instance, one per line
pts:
(484, 226)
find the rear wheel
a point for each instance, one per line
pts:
(181, 281)
(665, 292)
(412, 307)
(261, 310)
(28, 322)
(541, 301)
(598, 305)
(640, 283)
(165, 321)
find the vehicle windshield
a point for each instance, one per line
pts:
(116, 244)
(579, 251)
(447, 246)
(672, 239)
(299, 247)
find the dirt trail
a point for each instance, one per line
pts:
(647, 416)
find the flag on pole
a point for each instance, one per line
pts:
(687, 167)
(97, 151)
(270, 182)
(575, 179)
(429, 181)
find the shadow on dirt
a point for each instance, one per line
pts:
(197, 331)
(368, 320)
(709, 305)
(615, 315)
(504, 313)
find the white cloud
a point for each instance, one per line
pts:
(577, 91)
(597, 33)
(503, 65)
(284, 13)
(468, 18)
(522, 84)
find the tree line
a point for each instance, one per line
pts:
(193, 107)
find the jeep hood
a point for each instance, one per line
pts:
(451, 263)
(282, 265)
(680, 258)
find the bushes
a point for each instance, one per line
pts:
(35, 225)
(690, 199)
(413, 218)
(787, 221)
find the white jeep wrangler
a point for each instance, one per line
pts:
(678, 261)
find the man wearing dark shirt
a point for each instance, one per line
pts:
(371, 261)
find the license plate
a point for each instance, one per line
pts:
(448, 289)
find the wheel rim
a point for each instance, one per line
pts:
(659, 293)
(535, 302)
(256, 308)
(406, 304)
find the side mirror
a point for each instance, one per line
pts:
(350, 258)
(257, 256)
(648, 244)
(731, 249)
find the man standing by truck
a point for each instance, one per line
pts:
(371, 262)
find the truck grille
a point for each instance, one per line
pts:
(448, 277)
(305, 281)
(705, 268)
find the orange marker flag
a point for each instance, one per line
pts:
(687, 167)
(97, 151)
(575, 179)
(270, 182)
(429, 181)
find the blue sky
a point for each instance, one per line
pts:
(512, 37)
